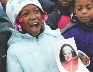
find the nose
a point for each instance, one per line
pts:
(32, 17)
(84, 11)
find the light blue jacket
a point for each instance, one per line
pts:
(29, 54)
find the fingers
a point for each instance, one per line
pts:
(85, 59)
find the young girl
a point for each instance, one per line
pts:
(83, 30)
(30, 46)
(61, 16)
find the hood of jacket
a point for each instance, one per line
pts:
(84, 26)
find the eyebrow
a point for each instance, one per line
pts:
(81, 4)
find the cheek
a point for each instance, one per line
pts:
(24, 25)
(91, 14)
(65, 55)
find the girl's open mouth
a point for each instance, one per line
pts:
(34, 26)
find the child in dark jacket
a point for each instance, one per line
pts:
(61, 16)
(83, 29)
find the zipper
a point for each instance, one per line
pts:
(37, 41)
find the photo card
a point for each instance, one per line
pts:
(65, 51)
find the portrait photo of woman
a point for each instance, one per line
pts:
(67, 54)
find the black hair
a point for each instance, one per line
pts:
(56, 3)
(73, 7)
(62, 59)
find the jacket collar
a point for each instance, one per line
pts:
(85, 26)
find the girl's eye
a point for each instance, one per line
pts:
(79, 8)
(89, 8)
(25, 14)
(37, 11)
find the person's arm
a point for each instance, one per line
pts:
(12, 62)
(4, 2)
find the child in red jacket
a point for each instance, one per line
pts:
(61, 16)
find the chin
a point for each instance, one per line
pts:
(36, 34)
(85, 21)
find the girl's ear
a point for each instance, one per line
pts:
(74, 12)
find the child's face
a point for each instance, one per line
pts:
(84, 10)
(67, 54)
(64, 3)
(32, 19)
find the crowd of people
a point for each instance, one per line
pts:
(29, 27)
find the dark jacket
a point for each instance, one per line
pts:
(3, 52)
(55, 16)
(83, 35)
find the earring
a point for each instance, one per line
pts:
(44, 17)
(20, 19)
(17, 26)
(20, 29)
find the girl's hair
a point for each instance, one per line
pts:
(73, 6)
(56, 3)
(61, 55)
